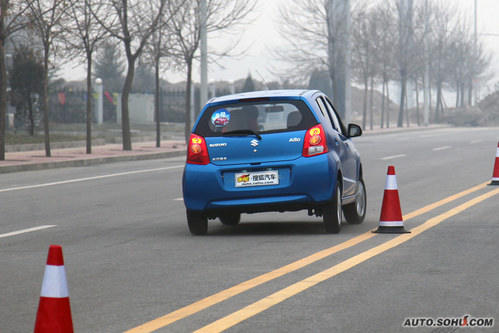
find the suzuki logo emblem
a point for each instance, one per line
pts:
(254, 143)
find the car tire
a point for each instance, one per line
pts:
(231, 219)
(198, 224)
(356, 211)
(332, 213)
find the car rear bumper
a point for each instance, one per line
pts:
(303, 183)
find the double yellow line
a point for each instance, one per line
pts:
(283, 294)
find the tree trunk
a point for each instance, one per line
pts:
(429, 100)
(31, 117)
(125, 118)
(407, 110)
(383, 104)
(418, 121)
(470, 93)
(364, 109)
(45, 104)
(371, 104)
(388, 104)
(439, 98)
(403, 87)
(156, 103)
(187, 129)
(462, 94)
(89, 103)
(3, 85)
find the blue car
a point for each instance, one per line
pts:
(282, 150)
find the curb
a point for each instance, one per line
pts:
(54, 145)
(395, 130)
(88, 162)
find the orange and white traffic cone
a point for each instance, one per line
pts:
(390, 221)
(495, 173)
(54, 311)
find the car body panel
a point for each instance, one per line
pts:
(272, 147)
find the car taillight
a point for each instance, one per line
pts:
(197, 152)
(315, 142)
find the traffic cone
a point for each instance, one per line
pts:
(495, 174)
(54, 311)
(390, 221)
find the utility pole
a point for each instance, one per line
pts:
(339, 22)
(100, 100)
(204, 53)
(475, 55)
(348, 62)
(426, 111)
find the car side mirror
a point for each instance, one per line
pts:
(354, 130)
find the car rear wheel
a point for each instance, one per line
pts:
(356, 211)
(230, 219)
(198, 224)
(332, 213)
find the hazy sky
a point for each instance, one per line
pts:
(262, 34)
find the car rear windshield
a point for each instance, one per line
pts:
(260, 117)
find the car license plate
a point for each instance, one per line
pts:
(260, 178)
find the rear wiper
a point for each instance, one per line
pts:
(242, 133)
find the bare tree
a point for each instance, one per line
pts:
(186, 30)
(416, 65)
(47, 21)
(304, 26)
(385, 53)
(317, 35)
(442, 27)
(465, 63)
(159, 47)
(362, 55)
(132, 22)
(405, 11)
(12, 19)
(82, 37)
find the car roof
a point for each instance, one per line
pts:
(265, 93)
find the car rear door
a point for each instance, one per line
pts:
(342, 145)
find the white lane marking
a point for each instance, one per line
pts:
(441, 148)
(393, 157)
(179, 199)
(475, 141)
(24, 231)
(79, 180)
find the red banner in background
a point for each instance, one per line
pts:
(108, 96)
(62, 98)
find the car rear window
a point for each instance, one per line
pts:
(260, 117)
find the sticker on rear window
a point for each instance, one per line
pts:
(220, 118)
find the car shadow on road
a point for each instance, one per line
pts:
(266, 228)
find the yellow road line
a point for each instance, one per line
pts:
(442, 202)
(283, 294)
(223, 295)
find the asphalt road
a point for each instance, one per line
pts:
(130, 259)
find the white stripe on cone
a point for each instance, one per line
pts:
(391, 182)
(54, 282)
(497, 152)
(391, 223)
